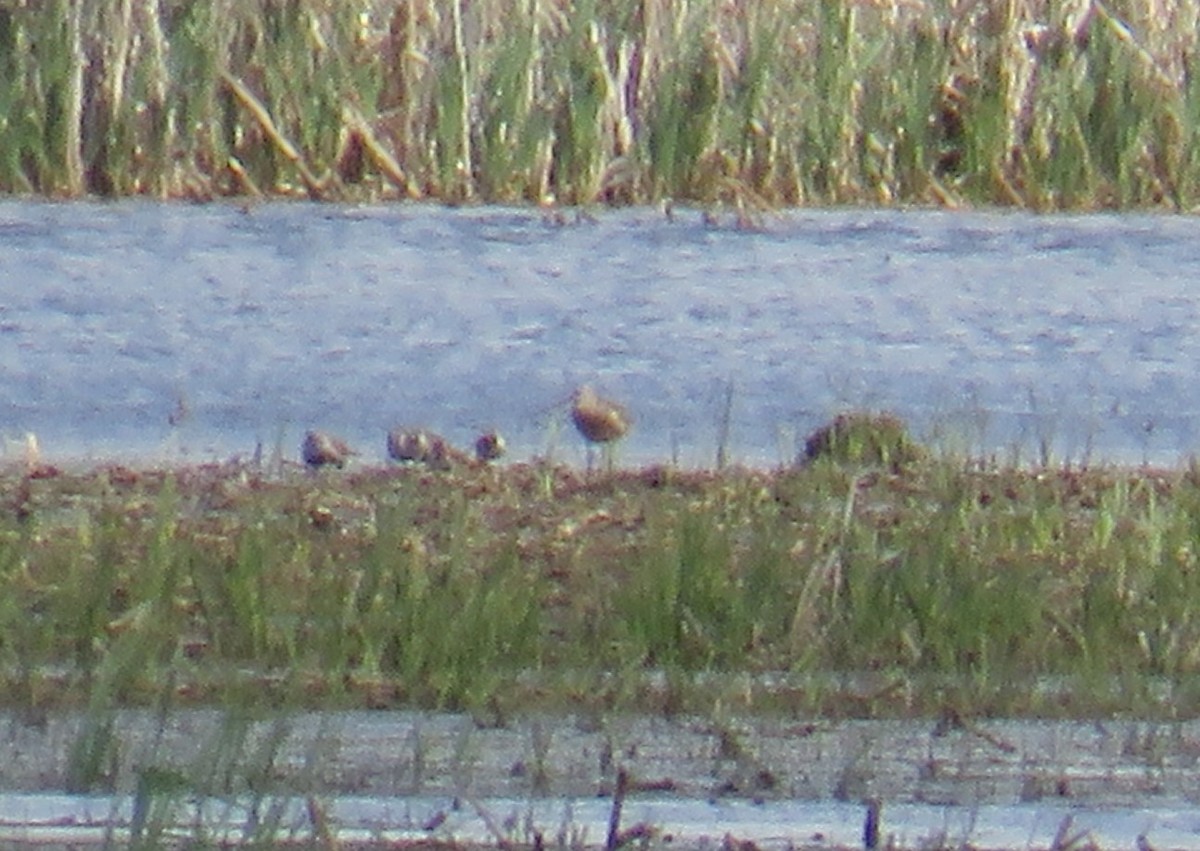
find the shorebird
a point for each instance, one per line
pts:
(405, 444)
(321, 448)
(599, 420)
(490, 446)
(425, 447)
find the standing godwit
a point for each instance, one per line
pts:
(600, 421)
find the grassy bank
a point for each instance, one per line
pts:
(1036, 104)
(937, 583)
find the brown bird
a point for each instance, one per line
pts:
(443, 456)
(599, 420)
(419, 446)
(321, 448)
(490, 446)
(409, 444)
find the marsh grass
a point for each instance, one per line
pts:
(1036, 104)
(942, 581)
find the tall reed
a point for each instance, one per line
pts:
(1038, 104)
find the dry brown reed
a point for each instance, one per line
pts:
(1076, 104)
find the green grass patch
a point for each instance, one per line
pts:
(992, 589)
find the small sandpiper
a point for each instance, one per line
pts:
(490, 446)
(321, 449)
(409, 444)
(418, 446)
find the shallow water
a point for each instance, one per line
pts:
(992, 330)
(777, 782)
(79, 822)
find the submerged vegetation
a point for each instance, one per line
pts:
(1039, 104)
(937, 584)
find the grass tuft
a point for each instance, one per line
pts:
(863, 438)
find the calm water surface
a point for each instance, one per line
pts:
(1000, 332)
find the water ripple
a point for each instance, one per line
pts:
(998, 328)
